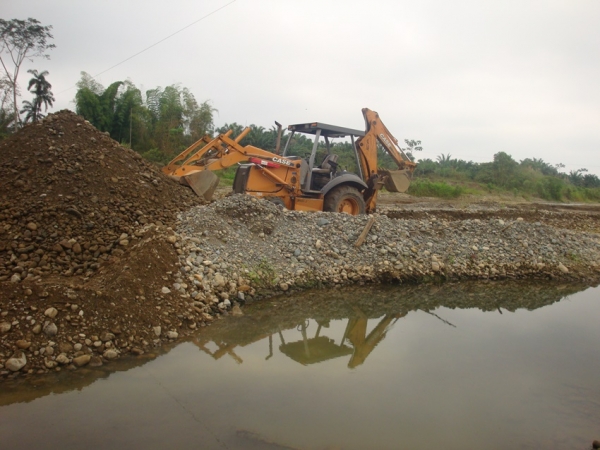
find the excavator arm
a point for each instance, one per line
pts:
(376, 178)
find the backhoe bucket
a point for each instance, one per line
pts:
(396, 180)
(203, 183)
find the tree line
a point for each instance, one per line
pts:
(530, 177)
(158, 123)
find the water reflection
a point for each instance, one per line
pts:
(369, 315)
(374, 308)
(452, 366)
(355, 342)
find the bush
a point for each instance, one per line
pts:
(583, 194)
(156, 156)
(427, 188)
(426, 167)
(592, 194)
(551, 188)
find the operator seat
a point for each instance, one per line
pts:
(329, 165)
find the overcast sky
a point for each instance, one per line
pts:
(466, 77)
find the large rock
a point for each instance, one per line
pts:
(50, 329)
(62, 359)
(16, 362)
(111, 353)
(51, 313)
(105, 336)
(49, 363)
(82, 360)
(218, 280)
(172, 334)
(65, 347)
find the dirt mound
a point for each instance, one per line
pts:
(71, 197)
(88, 267)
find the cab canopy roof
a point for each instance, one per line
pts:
(329, 131)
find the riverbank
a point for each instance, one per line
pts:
(173, 280)
(102, 256)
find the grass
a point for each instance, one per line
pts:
(263, 275)
(547, 188)
(441, 189)
(226, 176)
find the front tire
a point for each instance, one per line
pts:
(345, 199)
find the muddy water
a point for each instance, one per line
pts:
(495, 366)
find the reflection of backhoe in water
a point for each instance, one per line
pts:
(363, 343)
(318, 348)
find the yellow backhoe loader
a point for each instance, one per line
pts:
(300, 183)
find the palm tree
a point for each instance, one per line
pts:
(43, 96)
(444, 160)
(31, 111)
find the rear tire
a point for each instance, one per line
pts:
(344, 199)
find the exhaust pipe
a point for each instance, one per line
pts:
(278, 143)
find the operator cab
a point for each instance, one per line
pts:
(320, 166)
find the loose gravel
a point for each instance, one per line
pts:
(244, 247)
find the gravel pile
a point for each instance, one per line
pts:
(227, 254)
(85, 259)
(71, 197)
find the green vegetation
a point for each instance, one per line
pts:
(447, 177)
(263, 275)
(528, 178)
(159, 124)
(429, 188)
(226, 176)
(40, 88)
(168, 120)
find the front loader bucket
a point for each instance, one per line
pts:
(203, 183)
(396, 180)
